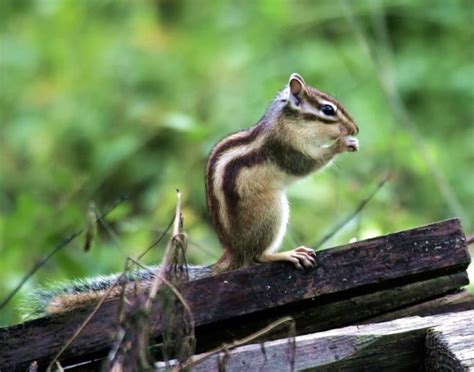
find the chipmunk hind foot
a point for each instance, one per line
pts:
(301, 257)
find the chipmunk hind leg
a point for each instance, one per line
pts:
(253, 229)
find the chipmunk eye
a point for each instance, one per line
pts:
(328, 110)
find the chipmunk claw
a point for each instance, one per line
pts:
(301, 257)
(306, 257)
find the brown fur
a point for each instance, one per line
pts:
(233, 140)
(62, 303)
(67, 302)
(247, 172)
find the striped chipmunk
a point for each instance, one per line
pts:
(247, 173)
(246, 177)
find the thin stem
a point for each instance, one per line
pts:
(106, 295)
(45, 259)
(399, 109)
(200, 358)
(356, 211)
(89, 317)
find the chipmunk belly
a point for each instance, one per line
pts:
(284, 217)
(258, 213)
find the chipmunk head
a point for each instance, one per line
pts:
(310, 118)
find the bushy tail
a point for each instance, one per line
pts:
(61, 297)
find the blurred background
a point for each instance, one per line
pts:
(100, 99)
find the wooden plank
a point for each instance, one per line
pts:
(331, 312)
(373, 265)
(450, 346)
(460, 300)
(312, 317)
(409, 256)
(398, 345)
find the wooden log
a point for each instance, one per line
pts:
(398, 345)
(450, 346)
(421, 254)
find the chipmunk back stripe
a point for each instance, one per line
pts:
(212, 201)
(237, 139)
(231, 173)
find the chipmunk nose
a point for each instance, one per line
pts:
(349, 128)
(352, 128)
(355, 129)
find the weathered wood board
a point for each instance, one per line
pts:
(450, 346)
(398, 345)
(430, 258)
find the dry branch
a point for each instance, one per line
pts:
(55, 250)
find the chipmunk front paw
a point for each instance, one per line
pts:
(348, 143)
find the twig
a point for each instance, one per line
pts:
(181, 299)
(37, 266)
(172, 287)
(198, 359)
(167, 256)
(91, 227)
(358, 209)
(111, 232)
(104, 297)
(89, 317)
(399, 109)
(204, 249)
(135, 321)
(45, 259)
(157, 241)
(470, 239)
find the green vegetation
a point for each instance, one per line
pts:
(104, 98)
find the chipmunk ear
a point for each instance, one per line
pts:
(295, 88)
(296, 84)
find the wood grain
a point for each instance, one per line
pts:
(450, 346)
(397, 345)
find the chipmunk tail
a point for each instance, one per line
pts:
(61, 297)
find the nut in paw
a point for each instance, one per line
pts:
(351, 143)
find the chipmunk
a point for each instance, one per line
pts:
(246, 177)
(247, 173)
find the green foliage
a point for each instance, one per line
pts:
(101, 98)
